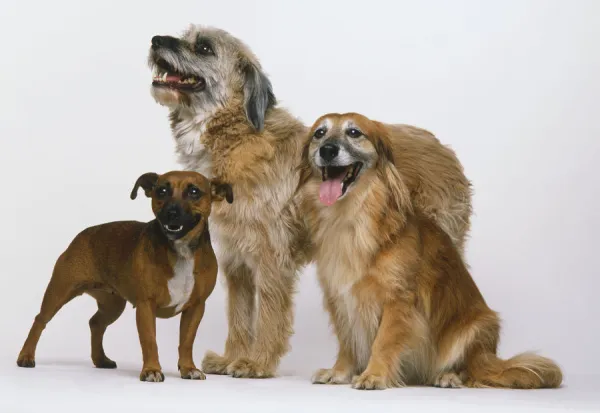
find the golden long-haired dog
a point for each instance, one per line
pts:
(401, 300)
(226, 124)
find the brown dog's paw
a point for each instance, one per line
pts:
(215, 364)
(367, 381)
(246, 368)
(152, 375)
(192, 374)
(105, 363)
(449, 380)
(26, 361)
(330, 376)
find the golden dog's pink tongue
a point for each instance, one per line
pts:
(330, 191)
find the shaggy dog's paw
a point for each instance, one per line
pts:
(367, 381)
(331, 376)
(25, 360)
(246, 368)
(192, 374)
(215, 364)
(152, 375)
(448, 380)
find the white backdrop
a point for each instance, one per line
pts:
(512, 86)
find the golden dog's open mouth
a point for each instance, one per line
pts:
(165, 76)
(336, 181)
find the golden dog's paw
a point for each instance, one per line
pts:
(152, 375)
(449, 380)
(367, 381)
(246, 368)
(26, 360)
(192, 374)
(215, 364)
(331, 376)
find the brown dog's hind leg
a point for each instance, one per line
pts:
(61, 289)
(110, 308)
(241, 292)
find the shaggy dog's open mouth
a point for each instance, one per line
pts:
(165, 76)
(336, 181)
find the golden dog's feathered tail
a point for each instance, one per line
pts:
(524, 371)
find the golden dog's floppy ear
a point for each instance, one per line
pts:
(220, 191)
(304, 168)
(388, 170)
(258, 95)
(147, 182)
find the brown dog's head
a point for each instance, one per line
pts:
(181, 201)
(343, 151)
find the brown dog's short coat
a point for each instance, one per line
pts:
(164, 267)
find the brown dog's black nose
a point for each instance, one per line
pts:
(329, 151)
(165, 41)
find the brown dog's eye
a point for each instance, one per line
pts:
(161, 192)
(353, 133)
(193, 192)
(319, 133)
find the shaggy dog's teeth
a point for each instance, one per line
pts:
(164, 77)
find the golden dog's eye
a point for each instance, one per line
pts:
(319, 133)
(353, 133)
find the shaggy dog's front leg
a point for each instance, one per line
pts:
(273, 326)
(241, 291)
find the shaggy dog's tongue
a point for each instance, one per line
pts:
(331, 190)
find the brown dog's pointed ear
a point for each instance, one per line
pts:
(220, 191)
(147, 182)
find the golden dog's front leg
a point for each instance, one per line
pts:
(241, 292)
(274, 326)
(341, 372)
(392, 337)
(188, 327)
(145, 318)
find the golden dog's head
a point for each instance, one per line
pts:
(347, 153)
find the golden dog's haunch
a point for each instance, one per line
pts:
(400, 298)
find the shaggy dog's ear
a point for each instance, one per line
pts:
(258, 95)
(388, 170)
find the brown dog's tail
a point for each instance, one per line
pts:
(524, 371)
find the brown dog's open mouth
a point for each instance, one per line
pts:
(336, 181)
(165, 76)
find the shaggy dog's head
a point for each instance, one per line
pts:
(346, 153)
(201, 70)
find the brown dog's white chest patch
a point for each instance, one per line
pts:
(182, 283)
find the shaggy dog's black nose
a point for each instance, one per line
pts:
(329, 151)
(165, 41)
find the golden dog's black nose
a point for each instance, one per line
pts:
(165, 41)
(329, 151)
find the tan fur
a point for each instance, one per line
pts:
(262, 236)
(401, 300)
(130, 261)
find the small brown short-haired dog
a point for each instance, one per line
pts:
(164, 267)
(401, 300)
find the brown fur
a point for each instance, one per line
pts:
(401, 300)
(130, 261)
(219, 130)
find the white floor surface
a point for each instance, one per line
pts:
(76, 386)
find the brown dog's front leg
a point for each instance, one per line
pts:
(188, 327)
(145, 318)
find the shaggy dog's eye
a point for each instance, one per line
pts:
(353, 133)
(319, 133)
(204, 49)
